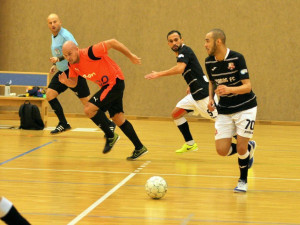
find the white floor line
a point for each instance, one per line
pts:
(79, 129)
(158, 174)
(100, 200)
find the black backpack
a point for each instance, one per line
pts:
(30, 117)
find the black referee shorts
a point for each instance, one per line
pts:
(113, 101)
(81, 90)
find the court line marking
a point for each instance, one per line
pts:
(158, 174)
(104, 197)
(171, 219)
(187, 219)
(79, 129)
(18, 156)
(213, 221)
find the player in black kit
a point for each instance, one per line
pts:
(196, 100)
(237, 107)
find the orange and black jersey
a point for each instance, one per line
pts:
(193, 73)
(230, 72)
(97, 66)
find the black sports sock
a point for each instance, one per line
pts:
(56, 106)
(13, 217)
(101, 121)
(185, 130)
(233, 147)
(243, 164)
(110, 123)
(129, 131)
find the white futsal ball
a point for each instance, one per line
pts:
(156, 187)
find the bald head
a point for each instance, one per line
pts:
(70, 52)
(69, 45)
(53, 16)
(54, 23)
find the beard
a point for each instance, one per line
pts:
(213, 50)
(177, 48)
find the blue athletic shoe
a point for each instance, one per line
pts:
(252, 150)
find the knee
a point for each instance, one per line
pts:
(89, 112)
(84, 101)
(178, 113)
(222, 151)
(119, 119)
(173, 114)
(51, 94)
(242, 150)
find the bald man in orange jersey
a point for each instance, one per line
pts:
(94, 64)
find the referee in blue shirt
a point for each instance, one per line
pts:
(59, 36)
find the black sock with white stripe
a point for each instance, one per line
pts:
(243, 164)
(9, 214)
(101, 121)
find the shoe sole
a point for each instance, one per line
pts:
(112, 146)
(239, 191)
(131, 159)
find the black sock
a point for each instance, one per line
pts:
(243, 164)
(249, 147)
(109, 121)
(233, 147)
(13, 217)
(185, 130)
(101, 121)
(129, 131)
(56, 106)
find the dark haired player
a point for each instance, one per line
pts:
(196, 99)
(237, 105)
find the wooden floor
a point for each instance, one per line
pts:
(65, 179)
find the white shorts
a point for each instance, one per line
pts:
(240, 123)
(198, 107)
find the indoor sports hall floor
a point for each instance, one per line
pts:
(65, 179)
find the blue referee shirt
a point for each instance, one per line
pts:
(56, 47)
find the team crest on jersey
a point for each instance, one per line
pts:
(181, 56)
(231, 66)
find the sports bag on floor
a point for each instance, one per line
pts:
(30, 117)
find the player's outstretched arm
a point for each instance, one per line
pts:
(178, 69)
(113, 43)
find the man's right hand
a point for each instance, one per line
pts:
(63, 78)
(54, 59)
(135, 60)
(211, 105)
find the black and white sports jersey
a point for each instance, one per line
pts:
(230, 72)
(193, 73)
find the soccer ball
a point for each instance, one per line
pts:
(156, 187)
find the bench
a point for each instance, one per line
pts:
(24, 79)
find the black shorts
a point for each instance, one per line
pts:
(113, 101)
(81, 90)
